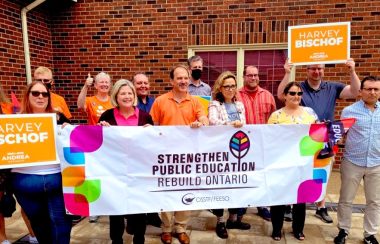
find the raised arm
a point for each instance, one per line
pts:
(81, 102)
(352, 90)
(280, 90)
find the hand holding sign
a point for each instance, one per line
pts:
(288, 66)
(89, 80)
(351, 64)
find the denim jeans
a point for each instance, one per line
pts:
(41, 198)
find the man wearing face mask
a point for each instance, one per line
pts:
(197, 86)
(45, 75)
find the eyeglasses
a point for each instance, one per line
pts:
(229, 87)
(37, 94)
(371, 89)
(293, 93)
(252, 75)
(43, 80)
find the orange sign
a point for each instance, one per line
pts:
(319, 43)
(27, 140)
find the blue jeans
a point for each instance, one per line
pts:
(41, 198)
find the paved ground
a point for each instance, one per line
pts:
(202, 226)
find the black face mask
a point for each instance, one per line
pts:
(196, 74)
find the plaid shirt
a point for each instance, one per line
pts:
(363, 138)
(217, 113)
(259, 105)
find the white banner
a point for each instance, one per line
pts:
(121, 170)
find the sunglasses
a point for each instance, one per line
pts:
(293, 93)
(43, 80)
(37, 94)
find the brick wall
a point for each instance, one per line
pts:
(124, 37)
(12, 62)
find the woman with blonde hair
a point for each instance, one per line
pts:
(126, 113)
(226, 110)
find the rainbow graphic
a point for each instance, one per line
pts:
(205, 101)
(239, 145)
(320, 144)
(83, 139)
(83, 146)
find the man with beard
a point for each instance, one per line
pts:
(197, 86)
(259, 104)
(361, 160)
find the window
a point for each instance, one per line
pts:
(268, 58)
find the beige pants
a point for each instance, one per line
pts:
(180, 221)
(351, 175)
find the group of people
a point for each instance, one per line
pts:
(127, 103)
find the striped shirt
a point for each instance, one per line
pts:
(259, 105)
(363, 138)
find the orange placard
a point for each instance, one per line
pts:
(319, 43)
(27, 140)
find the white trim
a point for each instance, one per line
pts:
(240, 50)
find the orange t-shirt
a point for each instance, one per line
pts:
(59, 104)
(95, 108)
(7, 108)
(166, 111)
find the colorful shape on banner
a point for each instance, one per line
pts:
(318, 132)
(73, 156)
(205, 102)
(76, 204)
(239, 144)
(320, 174)
(347, 123)
(87, 138)
(73, 176)
(308, 147)
(91, 189)
(309, 191)
(320, 162)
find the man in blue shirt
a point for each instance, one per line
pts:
(197, 86)
(361, 160)
(321, 96)
(142, 85)
(144, 102)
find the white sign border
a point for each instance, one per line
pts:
(316, 25)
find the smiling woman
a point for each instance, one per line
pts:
(38, 189)
(125, 113)
(292, 113)
(94, 106)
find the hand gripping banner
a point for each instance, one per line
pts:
(123, 170)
